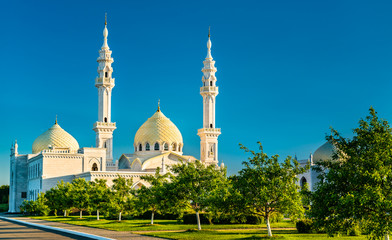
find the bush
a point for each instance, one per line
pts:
(167, 216)
(354, 230)
(191, 218)
(304, 226)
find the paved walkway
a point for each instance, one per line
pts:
(10, 230)
(89, 230)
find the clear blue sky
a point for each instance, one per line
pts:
(287, 70)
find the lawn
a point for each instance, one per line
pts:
(188, 232)
(144, 225)
(246, 234)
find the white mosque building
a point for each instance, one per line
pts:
(56, 155)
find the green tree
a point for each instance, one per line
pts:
(59, 197)
(79, 195)
(356, 185)
(4, 193)
(99, 195)
(269, 187)
(122, 196)
(197, 183)
(153, 198)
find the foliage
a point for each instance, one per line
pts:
(4, 193)
(357, 185)
(266, 186)
(37, 207)
(122, 196)
(59, 197)
(99, 195)
(80, 195)
(196, 183)
(153, 198)
(304, 226)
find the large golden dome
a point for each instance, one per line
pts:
(55, 137)
(158, 129)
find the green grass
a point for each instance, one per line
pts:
(144, 225)
(3, 207)
(218, 231)
(246, 234)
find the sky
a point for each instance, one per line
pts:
(287, 70)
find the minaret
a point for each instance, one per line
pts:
(209, 134)
(104, 82)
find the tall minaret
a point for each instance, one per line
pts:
(104, 82)
(209, 134)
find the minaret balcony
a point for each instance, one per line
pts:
(104, 81)
(104, 126)
(211, 132)
(207, 89)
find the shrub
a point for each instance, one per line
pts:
(354, 230)
(304, 226)
(191, 218)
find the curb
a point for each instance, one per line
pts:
(56, 229)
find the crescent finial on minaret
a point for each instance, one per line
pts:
(106, 19)
(209, 32)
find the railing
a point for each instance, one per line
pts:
(208, 89)
(57, 151)
(210, 130)
(105, 80)
(104, 124)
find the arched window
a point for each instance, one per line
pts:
(179, 147)
(104, 145)
(211, 83)
(140, 147)
(106, 119)
(95, 167)
(166, 147)
(174, 147)
(211, 125)
(106, 74)
(147, 147)
(156, 147)
(303, 182)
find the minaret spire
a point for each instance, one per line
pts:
(209, 134)
(105, 83)
(105, 35)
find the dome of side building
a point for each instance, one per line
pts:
(324, 152)
(55, 138)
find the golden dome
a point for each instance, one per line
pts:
(55, 137)
(324, 152)
(158, 128)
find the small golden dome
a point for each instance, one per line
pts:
(158, 128)
(55, 137)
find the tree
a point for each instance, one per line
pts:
(268, 187)
(196, 183)
(79, 194)
(122, 195)
(99, 195)
(4, 193)
(356, 185)
(59, 197)
(153, 198)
